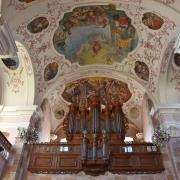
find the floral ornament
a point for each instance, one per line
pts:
(28, 136)
(167, 1)
(160, 136)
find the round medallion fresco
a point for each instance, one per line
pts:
(142, 70)
(152, 21)
(38, 24)
(177, 59)
(50, 71)
(59, 113)
(11, 63)
(95, 35)
(134, 112)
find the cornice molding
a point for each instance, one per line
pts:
(17, 110)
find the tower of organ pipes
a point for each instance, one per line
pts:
(95, 126)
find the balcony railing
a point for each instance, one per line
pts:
(67, 158)
(5, 146)
(5, 149)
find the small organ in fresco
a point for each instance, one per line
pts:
(50, 71)
(177, 59)
(142, 70)
(10, 63)
(38, 24)
(152, 21)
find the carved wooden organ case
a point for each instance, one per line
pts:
(95, 144)
(95, 122)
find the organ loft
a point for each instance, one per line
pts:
(95, 136)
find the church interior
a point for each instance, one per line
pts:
(89, 89)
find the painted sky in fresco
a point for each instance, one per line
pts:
(95, 35)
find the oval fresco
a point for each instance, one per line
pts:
(95, 35)
(142, 70)
(152, 21)
(134, 112)
(59, 113)
(11, 63)
(107, 89)
(177, 59)
(38, 24)
(50, 71)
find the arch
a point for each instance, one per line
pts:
(18, 84)
(137, 90)
(168, 74)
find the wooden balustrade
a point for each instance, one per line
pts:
(67, 158)
(4, 142)
(95, 144)
(5, 149)
(5, 146)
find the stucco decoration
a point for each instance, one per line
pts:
(141, 70)
(11, 63)
(95, 35)
(107, 89)
(15, 81)
(18, 85)
(50, 71)
(37, 25)
(25, 58)
(167, 1)
(151, 45)
(167, 55)
(175, 78)
(152, 21)
(177, 59)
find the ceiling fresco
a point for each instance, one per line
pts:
(177, 59)
(152, 21)
(59, 113)
(85, 38)
(106, 88)
(110, 89)
(95, 35)
(50, 71)
(142, 70)
(38, 24)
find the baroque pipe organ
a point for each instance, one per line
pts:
(95, 120)
(95, 144)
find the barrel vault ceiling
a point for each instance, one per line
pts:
(70, 42)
